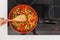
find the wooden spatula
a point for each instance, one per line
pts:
(19, 18)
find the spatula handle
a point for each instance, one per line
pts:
(9, 20)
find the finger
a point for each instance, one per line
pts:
(1, 18)
(2, 23)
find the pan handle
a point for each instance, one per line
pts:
(48, 21)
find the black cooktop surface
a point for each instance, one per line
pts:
(43, 9)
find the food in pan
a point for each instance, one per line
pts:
(28, 19)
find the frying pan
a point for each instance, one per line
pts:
(10, 17)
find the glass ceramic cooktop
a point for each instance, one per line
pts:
(45, 15)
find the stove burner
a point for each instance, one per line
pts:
(54, 12)
(19, 1)
(29, 2)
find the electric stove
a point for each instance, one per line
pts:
(48, 16)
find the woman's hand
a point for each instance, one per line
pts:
(2, 21)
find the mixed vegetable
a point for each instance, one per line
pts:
(26, 25)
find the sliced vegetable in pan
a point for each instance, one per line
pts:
(31, 18)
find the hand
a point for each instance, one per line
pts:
(2, 21)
